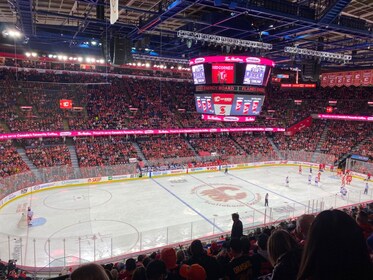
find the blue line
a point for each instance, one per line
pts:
(267, 190)
(182, 201)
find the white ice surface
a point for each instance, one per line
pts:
(102, 221)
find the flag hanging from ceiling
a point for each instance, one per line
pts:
(114, 11)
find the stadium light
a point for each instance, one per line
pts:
(160, 59)
(12, 33)
(337, 57)
(28, 54)
(221, 41)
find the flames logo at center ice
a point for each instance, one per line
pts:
(219, 194)
(225, 195)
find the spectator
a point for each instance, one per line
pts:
(199, 256)
(335, 249)
(156, 270)
(127, 273)
(260, 258)
(168, 256)
(193, 272)
(284, 254)
(237, 228)
(303, 225)
(139, 273)
(240, 266)
(91, 271)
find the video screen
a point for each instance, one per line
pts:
(254, 74)
(204, 103)
(247, 105)
(198, 74)
(223, 73)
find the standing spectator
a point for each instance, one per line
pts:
(284, 255)
(237, 228)
(335, 249)
(240, 266)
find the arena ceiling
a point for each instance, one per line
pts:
(332, 25)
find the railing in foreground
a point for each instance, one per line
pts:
(49, 254)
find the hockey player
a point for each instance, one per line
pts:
(366, 188)
(343, 181)
(319, 176)
(309, 179)
(300, 169)
(343, 192)
(287, 181)
(226, 170)
(29, 216)
(317, 181)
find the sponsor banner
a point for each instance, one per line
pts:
(227, 118)
(359, 157)
(355, 78)
(94, 180)
(47, 185)
(196, 169)
(23, 135)
(298, 85)
(212, 168)
(71, 182)
(241, 59)
(346, 117)
(303, 124)
(120, 177)
(177, 171)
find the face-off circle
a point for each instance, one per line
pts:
(225, 195)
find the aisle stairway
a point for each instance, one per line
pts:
(139, 153)
(74, 159)
(321, 142)
(33, 168)
(275, 148)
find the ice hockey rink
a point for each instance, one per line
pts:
(77, 224)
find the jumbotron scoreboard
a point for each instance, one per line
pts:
(230, 85)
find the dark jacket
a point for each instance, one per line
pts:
(287, 266)
(237, 229)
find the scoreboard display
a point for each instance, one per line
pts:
(230, 85)
(231, 70)
(229, 104)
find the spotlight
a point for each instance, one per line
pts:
(28, 54)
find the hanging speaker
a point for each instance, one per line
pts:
(107, 47)
(122, 51)
(100, 10)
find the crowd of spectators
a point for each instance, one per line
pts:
(103, 151)
(165, 147)
(305, 140)
(343, 136)
(216, 144)
(49, 156)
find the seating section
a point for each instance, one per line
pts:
(49, 156)
(104, 151)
